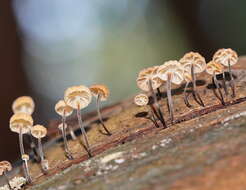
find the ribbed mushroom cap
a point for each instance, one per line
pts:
(99, 89)
(21, 121)
(148, 74)
(5, 166)
(225, 56)
(38, 131)
(60, 126)
(195, 59)
(62, 108)
(214, 68)
(25, 157)
(141, 99)
(78, 96)
(23, 104)
(173, 68)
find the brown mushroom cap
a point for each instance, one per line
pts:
(141, 99)
(39, 131)
(62, 108)
(195, 59)
(174, 68)
(21, 121)
(214, 68)
(25, 157)
(60, 126)
(78, 96)
(23, 104)
(99, 89)
(225, 56)
(148, 74)
(5, 166)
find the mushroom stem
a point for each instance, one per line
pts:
(152, 115)
(157, 105)
(28, 172)
(41, 153)
(159, 92)
(169, 97)
(224, 84)
(66, 149)
(195, 93)
(218, 88)
(186, 95)
(73, 136)
(232, 83)
(99, 114)
(82, 128)
(7, 180)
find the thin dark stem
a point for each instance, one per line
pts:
(82, 128)
(152, 115)
(7, 180)
(186, 101)
(224, 84)
(100, 116)
(169, 97)
(218, 88)
(159, 92)
(157, 105)
(232, 83)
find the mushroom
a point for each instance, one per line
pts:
(64, 110)
(21, 123)
(214, 69)
(194, 63)
(26, 158)
(143, 100)
(5, 167)
(39, 132)
(101, 92)
(148, 80)
(79, 97)
(172, 72)
(227, 57)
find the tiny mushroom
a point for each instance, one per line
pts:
(25, 158)
(101, 92)
(172, 72)
(23, 104)
(194, 63)
(227, 57)
(21, 123)
(149, 81)
(39, 132)
(79, 97)
(5, 167)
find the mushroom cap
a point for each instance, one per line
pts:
(141, 99)
(39, 131)
(23, 104)
(62, 108)
(225, 56)
(21, 121)
(78, 96)
(100, 89)
(195, 59)
(187, 77)
(5, 166)
(148, 74)
(214, 68)
(25, 157)
(173, 68)
(60, 126)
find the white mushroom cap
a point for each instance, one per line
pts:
(195, 59)
(214, 68)
(173, 68)
(5, 166)
(25, 157)
(62, 108)
(60, 126)
(148, 74)
(78, 96)
(141, 99)
(225, 56)
(39, 131)
(21, 121)
(99, 89)
(23, 104)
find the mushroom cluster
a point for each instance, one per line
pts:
(186, 69)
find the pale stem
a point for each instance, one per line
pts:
(169, 97)
(41, 153)
(99, 114)
(232, 83)
(72, 133)
(66, 149)
(224, 84)
(7, 180)
(28, 172)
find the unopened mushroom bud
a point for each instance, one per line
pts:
(21, 123)
(39, 132)
(143, 100)
(26, 158)
(194, 63)
(79, 97)
(5, 167)
(101, 92)
(227, 57)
